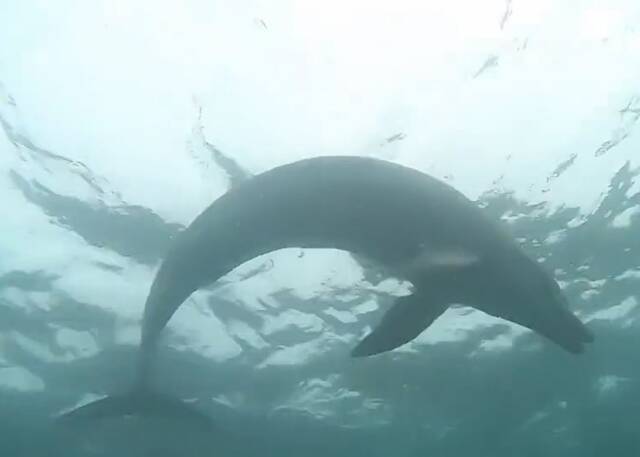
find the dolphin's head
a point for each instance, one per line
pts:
(520, 290)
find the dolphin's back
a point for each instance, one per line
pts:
(363, 205)
(378, 209)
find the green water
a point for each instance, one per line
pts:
(121, 123)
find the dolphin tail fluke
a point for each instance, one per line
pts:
(135, 403)
(404, 321)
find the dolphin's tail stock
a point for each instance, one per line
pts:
(142, 400)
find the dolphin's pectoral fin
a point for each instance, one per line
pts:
(404, 321)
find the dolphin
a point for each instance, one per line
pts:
(416, 227)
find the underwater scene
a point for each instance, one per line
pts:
(320, 228)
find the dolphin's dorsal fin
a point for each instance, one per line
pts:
(404, 321)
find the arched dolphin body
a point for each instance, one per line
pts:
(417, 227)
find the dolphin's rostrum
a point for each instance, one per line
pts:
(417, 227)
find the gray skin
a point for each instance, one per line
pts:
(418, 228)
(415, 227)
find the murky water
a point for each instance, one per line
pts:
(122, 121)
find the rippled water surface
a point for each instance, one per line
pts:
(121, 121)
